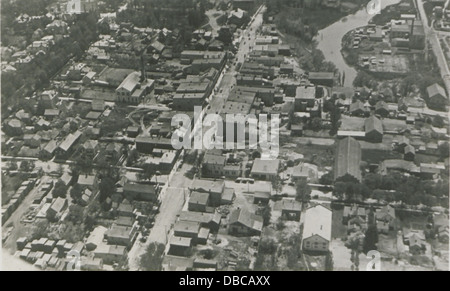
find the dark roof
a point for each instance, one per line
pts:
(139, 188)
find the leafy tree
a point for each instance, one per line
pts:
(316, 124)
(444, 150)
(266, 214)
(370, 239)
(152, 259)
(438, 121)
(303, 191)
(26, 166)
(60, 190)
(76, 214)
(76, 192)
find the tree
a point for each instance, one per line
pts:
(106, 187)
(26, 166)
(303, 191)
(76, 214)
(316, 124)
(76, 192)
(327, 179)
(152, 259)
(277, 184)
(354, 243)
(266, 214)
(444, 150)
(438, 121)
(370, 239)
(335, 116)
(60, 190)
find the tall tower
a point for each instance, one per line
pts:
(143, 74)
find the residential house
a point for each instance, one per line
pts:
(265, 169)
(110, 254)
(199, 202)
(142, 192)
(290, 209)
(180, 246)
(95, 238)
(57, 208)
(244, 223)
(385, 218)
(317, 229)
(374, 129)
(437, 95)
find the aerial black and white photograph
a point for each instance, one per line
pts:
(225, 135)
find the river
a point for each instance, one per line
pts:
(329, 39)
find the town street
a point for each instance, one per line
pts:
(173, 198)
(433, 38)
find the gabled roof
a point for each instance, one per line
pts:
(373, 124)
(436, 89)
(246, 218)
(348, 159)
(317, 222)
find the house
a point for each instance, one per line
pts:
(290, 209)
(261, 197)
(133, 131)
(110, 254)
(442, 234)
(321, 78)
(180, 246)
(409, 153)
(213, 165)
(244, 223)
(265, 169)
(88, 181)
(98, 105)
(125, 209)
(228, 196)
(382, 109)
(187, 229)
(437, 95)
(357, 109)
(66, 147)
(57, 207)
(374, 129)
(141, 192)
(207, 220)
(305, 97)
(214, 188)
(95, 238)
(198, 201)
(353, 211)
(122, 235)
(416, 242)
(91, 264)
(132, 89)
(317, 229)
(304, 172)
(386, 218)
(347, 160)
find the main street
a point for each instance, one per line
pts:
(173, 196)
(433, 38)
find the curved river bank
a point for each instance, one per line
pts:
(329, 40)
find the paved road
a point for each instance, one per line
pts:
(432, 36)
(173, 198)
